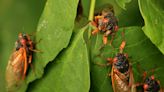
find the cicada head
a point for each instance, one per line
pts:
(121, 63)
(151, 85)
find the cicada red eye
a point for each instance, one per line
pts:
(23, 42)
(152, 77)
(145, 86)
(115, 59)
(105, 20)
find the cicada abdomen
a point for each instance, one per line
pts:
(14, 70)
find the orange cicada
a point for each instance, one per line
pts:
(121, 73)
(149, 84)
(106, 23)
(19, 60)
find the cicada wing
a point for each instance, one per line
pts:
(113, 80)
(14, 70)
(131, 80)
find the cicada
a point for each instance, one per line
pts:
(19, 61)
(106, 23)
(149, 84)
(121, 72)
(152, 85)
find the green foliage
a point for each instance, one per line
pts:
(69, 71)
(69, 52)
(152, 12)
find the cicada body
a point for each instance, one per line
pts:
(106, 23)
(19, 61)
(151, 85)
(121, 74)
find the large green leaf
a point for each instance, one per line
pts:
(69, 72)
(138, 47)
(54, 30)
(152, 12)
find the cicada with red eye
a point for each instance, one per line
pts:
(19, 60)
(150, 84)
(121, 73)
(106, 23)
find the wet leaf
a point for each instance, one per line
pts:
(69, 72)
(152, 12)
(138, 47)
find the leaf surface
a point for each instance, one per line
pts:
(69, 72)
(152, 13)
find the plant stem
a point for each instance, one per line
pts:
(91, 12)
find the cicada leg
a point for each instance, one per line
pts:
(112, 38)
(34, 50)
(93, 23)
(95, 31)
(30, 62)
(105, 39)
(109, 62)
(113, 80)
(131, 81)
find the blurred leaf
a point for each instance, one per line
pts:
(69, 72)
(131, 16)
(138, 47)
(122, 3)
(152, 12)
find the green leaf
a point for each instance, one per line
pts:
(131, 16)
(138, 47)
(69, 72)
(54, 30)
(152, 12)
(122, 3)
